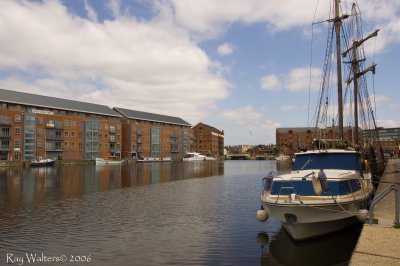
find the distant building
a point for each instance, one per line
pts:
(153, 135)
(291, 140)
(208, 140)
(33, 126)
(389, 138)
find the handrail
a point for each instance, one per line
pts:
(382, 195)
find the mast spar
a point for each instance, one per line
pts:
(355, 69)
(337, 24)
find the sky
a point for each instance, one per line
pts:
(245, 67)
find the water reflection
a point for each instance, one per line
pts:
(335, 249)
(19, 186)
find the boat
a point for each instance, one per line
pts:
(109, 161)
(42, 162)
(154, 159)
(195, 156)
(330, 185)
(282, 157)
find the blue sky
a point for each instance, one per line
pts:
(240, 66)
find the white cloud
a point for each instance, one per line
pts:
(245, 119)
(388, 123)
(211, 17)
(287, 108)
(90, 11)
(114, 6)
(271, 83)
(303, 79)
(147, 65)
(225, 49)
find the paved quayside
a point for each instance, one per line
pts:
(379, 243)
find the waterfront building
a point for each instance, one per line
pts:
(291, 140)
(389, 138)
(33, 126)
(208, 140)
(153, 135)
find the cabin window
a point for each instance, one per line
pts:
(305, 188)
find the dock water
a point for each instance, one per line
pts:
(379, 244)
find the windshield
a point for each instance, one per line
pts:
(344, 161)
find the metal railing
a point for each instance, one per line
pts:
(393, 187)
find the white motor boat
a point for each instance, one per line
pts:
(195, 156)
(101, 161)
(325, 192)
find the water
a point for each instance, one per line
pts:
(150, 214)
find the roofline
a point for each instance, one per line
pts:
(151, 120)
(61, 108)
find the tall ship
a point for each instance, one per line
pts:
(331, 185)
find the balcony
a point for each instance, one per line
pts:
(4, 147)
(54, 138)
(5, 121)
(5, 135)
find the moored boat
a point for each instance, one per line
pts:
(42, 162)
(325, 192)
(101, 161)
(195, 156)
(154, 159)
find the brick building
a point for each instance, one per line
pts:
(208, 140)
(153, 135)
(291, 140)
(33, 126)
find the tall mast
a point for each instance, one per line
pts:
(337, 24)
(355, 68)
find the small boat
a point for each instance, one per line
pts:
(110, 160)
(42, 162)
(282, 157)
(195, 156)
(325, 192)
(154, 159)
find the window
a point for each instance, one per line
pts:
(17, 130)
(73, 123)
(66, 144)
(66, 123)
(17, 143)
(40, 120)
(73, 134)
(39, 131)
(66, 134)
(39, 144)
(17, 118)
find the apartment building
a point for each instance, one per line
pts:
(153, 135)
(33, 126)
(208, 140)
(291, 140)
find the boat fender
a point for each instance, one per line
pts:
(316, 185)
(362, 215)
(262, 215)
(293, 196)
